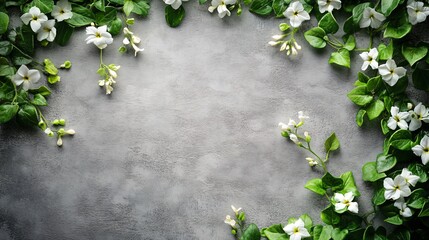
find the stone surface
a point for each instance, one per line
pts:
(190, 129)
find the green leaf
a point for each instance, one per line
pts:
(420, 78)
(385, 163)
(326, 232)
(385, 52)
(128, 7)
(174, 17)
(369, 233)
(414, 54)
(141, 7)
(261, 7)
(360, 117)
(52, 79)
(401, 140)
(332, 143)
(64, 32)
(202, 1)
(425, 210)
(45, 6)
(82, 16)
(374, 84)
(315, 37)
(339, 234)
(251, 233)
(115, 26)
(358, 12)
(19, 60)
(317, 230)
(384, 128)
(316, 186)
(100, 5)
(7, 90)
(50, 67)
(27, 115)
(349, 42)
(330, 181)
(341, 58)
(375, 109)
(359, 96)
(328, 23)
(400, 87)
(104, 18)
(419, 170)
(279, 6)
(400, 234)
(387, 6)
(6, 70)
(44, 91)
(4, 22)
(308, 223)
(369, 172)
(39, 100)
(350, 26)
(417, 199)
(362, 77)
(397, 30)
(7, 112)
(380, 234)
(349, 184)
(329, 216)
(5, 48)
(378, 197)
(275, 232)
(395, 220)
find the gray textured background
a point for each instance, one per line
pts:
(190, 129)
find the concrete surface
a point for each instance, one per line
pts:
(190, 129)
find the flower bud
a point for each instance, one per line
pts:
(70, 132)
(297, 45)
(59, 141)
(49, 132)
(233, 231)
(130, 21)
(42, 125)
(62, 122)
(283, 47)
(273, 43)
(284, 26)
(122, 49)
(278, 37)
(56, 122)
(61, 132)
(113, 73)
(307, 137)
(67, 65)
(409, 106)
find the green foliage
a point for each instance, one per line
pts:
(328, 23)
(251, 233)
(387, 6)
(341, 58)
(414, 54)
(174, 17)
(261, 7)
(4, 22)
(316, 37)
(369, 172)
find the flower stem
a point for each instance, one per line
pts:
(22, 52)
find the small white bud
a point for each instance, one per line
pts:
(70, 132)
(278, 37)
(59, 142)
(409, 106)
(273, 43)
(283, 47)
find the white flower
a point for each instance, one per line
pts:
(369, 59)
(294, 138)
(296, 230)
(62, 11)
(345, 202)
(35, 17)
(390, 73)
(296, 14)
(130, 38)
(419, 114)
(328, 5)
(417, 12)
(284, 127)
(398, 119)
(47, 31)
(292, 123)
(175, 4)
(372, 18)
(422, 150)
(236, 210)
(394, 189)
(99, 36)
(311, 161)
(409, 177)
(301, 116)
(26, 77)
(221, 7)
(403, 209)
(230, 221)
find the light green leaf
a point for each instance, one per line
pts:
(417, 199)
(308, 223)
(39, 100)
(360, 96)
(316, 186)
(141, 7)
(360, 117)
(44, 91)
(395, 220)
(275, 232)
(6, 70)
(45, 6)
(261, 7)
(375, 109)
(349, 184)
(414, 54)
(50, 67)
(4, 22)
(339, 234)
(349, 42)
(251, 233)
(341, 58)
(82, 16)
(419, 170)
(397, 31)
(315, 37)
(385, 163)
(128, 7)
(385, 52)
(378, 197)
(332, 143)
(328, 23)
(174, 17)
(369, 172)
(326, 232)
(52, 79)
(387, 6)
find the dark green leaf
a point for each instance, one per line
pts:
(279, 6)
(45, 6)
(332, 143)
(6, 70)
(419, 170)
(329, 216)
(115, 26)
(420, 79)
(82, 16)
(100, 5)
(395, 220)
(251, 233)
(330, 181)
(174, 17)
(385, 163)
(315, 37)
(417, 199)
(25, 39)
(328, 23)
(104, 18)
(7, 90)
(261, 7)
(4, 22)
(339, 234)
(39, 100)
(374, 84)
(27, 115)
(44, 91)
(369, 172)
(5, 48)
(358, 12)
(64, 32)
(400, 234)
(7, 112)
(387, 6)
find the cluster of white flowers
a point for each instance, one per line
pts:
(417, 12)
(415, 117)
(389, 72)
(296, 14)
(131, 39)
(422, 150)
(99, 36)
(328, 5)
(109, 78)
(292, 126)
(296, 230)
(40, 24)
(290, 46)
(399, 188)
(221, 6)
(230, 221)
(26, 77)
(345, 202)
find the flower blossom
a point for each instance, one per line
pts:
(398, 119)
(26, 77)
(294, 138)
(236, 210)
(221, 7)
(390, 73)
(296, 14)
(328, 5)
(296, 230)
(403, 209)
(372, 18)
(175, 4)
(47, 31)
(311, 161)
(394, 189)
(230, 221)
(409, 177)
(419, 114)
(130, 38)
(417, 12)
(422, 150)
(99, 36)
(35, 17)
(62, 11)
(345, 202)
(369, 59)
